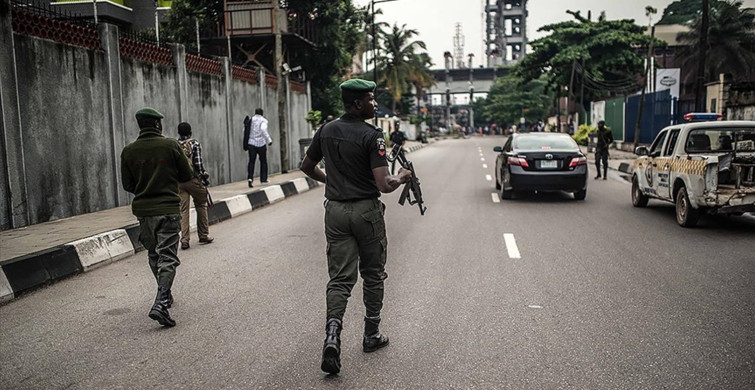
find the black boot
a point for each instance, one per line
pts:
(159, 310)
(373, 339)
(331, 350)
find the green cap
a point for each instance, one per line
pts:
(358, 85)
(149, 112)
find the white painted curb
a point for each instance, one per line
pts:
(274, 194)
(6, 292)
(301, 185)
(103, 248)
(238, 205)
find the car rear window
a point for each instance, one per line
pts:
(544, 142)
(723, 139)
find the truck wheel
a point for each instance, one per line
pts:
(581, 194)
(686, 216)
(638, 198)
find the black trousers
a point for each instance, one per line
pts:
(601, 155)
(255, 151)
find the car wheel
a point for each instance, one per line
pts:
(581, 194)
(638, 198)
(497, 183)
(686, 216)
(506, 194)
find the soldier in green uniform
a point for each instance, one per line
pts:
(151, 168)
(358, 173)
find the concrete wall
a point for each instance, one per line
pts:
(67, 112)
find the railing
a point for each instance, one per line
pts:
(249, 18)
(244, 74)
(204, 65)
(134, 46)
(30, 19)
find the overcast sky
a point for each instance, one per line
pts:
(435, 20)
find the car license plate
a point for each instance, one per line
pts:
(548, 164)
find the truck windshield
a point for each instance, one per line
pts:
(724, 139)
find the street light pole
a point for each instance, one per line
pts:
(374, 44)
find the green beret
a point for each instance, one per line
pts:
(358, 85)
(149, 112)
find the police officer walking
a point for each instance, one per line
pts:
(605, 138)
(354, 216)
(151, 168)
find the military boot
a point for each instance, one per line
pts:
(159, 310)
(373, 339)
(331, 350)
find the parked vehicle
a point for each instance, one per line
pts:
(702, 167)
(540, 162)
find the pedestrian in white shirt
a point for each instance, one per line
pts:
(256, 141)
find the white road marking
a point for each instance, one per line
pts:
(495, 197)
(485, 166)
(534, 306)
(482, 158)
(511, 246)
(488, 178)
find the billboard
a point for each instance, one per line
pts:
(668, 79)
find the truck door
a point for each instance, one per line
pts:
(664, 164)
(654, 158)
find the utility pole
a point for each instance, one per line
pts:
(649, 11)
(582, 97)
(471, 92)
(280, 90)
(448, 57)
(700, 85)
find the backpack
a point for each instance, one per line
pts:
(188, 151)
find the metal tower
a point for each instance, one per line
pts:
(459, 47)
(506, 31)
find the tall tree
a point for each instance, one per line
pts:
(681, 12)
(399, 64)
(511, 98)
(730, 41)
(607, 48)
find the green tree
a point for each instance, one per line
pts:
(731, 41)
(399, 65)
(180, 26)
(511, 98)
(608, 49)
(681, 12)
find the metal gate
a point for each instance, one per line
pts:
(656, 115)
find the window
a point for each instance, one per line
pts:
(722, 139)
(545, 142)
(671, 144)
(655, 149)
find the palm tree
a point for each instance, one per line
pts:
(399, 65)
(421, 77)
(731, 40)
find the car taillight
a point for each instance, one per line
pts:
(521, 161)
(577, 161)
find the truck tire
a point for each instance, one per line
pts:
(686, 215)
(638, 198)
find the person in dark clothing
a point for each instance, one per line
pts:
(151, 168)
(605, 138)
(397, 138)
(354, 215)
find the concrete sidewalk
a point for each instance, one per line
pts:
(36, 255)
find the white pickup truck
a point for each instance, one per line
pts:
(702, 167)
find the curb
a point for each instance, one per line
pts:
(28, 272)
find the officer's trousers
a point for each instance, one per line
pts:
(601, 155)
(159, 235)
(355, 233)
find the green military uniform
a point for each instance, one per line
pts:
(151, 168)
(354, 223)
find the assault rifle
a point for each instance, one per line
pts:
(412, 187)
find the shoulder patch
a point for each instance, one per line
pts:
(381, 146)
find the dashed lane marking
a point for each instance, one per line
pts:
(485, 166)
(488, 178)
(495, 197)
(482, 158)
(511, 247)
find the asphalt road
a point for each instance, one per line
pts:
(540, 292)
